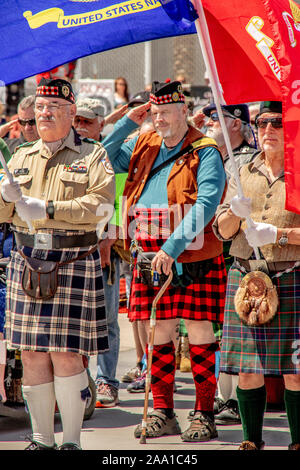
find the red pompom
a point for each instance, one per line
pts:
(168, 80)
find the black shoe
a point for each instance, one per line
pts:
(218, 405)
(229, 414)
(69, 446)
(37, 446)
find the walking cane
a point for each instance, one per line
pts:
(150, 353)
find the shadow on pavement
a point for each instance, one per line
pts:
(111, 418)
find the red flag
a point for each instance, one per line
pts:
(257, 51)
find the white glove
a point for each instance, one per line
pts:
(31, 208)
(241, 206)
(261, 234)
(11, 192)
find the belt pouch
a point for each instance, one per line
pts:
(39, 278)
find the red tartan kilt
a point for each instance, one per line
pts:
(202, 300)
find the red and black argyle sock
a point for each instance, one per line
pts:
(162, 375)
(203, 361)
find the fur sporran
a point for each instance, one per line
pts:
(256, 300)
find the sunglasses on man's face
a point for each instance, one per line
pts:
(215, 117)
(23, 122)
(276, 123)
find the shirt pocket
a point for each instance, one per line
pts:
(73, 185)
(25, 181)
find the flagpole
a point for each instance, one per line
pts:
(210, 64)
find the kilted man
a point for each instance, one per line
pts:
(261, 326)
(55, 311)
(188, 184)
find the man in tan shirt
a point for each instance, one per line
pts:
(64, 187)
(255, 350)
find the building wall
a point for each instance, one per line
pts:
(169, 57)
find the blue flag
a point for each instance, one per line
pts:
(182, 12)
(37, 36)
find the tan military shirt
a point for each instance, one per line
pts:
(268, 206)
(78, 178)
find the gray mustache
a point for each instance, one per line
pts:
(46, 118)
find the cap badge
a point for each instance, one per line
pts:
(65, 90)
(175, 96)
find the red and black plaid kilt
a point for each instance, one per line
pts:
(202, 300)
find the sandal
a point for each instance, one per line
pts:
(158, 424)
(202, 428)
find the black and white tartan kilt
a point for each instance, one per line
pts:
(73, 320)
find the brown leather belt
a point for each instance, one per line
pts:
(50, 241)
(272, 266)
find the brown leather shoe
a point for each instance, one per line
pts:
(249, 445)
(294, 447)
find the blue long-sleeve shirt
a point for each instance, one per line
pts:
(210, 181)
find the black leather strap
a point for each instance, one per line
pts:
(59, 241)
(184, 151)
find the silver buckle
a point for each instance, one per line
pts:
(43, 241)
(259, 265)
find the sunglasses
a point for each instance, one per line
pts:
(215, 117)
(30, 122)
(261, 123)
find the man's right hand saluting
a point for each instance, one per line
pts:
(139, 114)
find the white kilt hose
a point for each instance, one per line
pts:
(71, 321)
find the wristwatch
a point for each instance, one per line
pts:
(50, 209)
(283, 240)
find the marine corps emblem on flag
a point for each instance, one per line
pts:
(292, 20)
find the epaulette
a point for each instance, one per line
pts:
(204, 142)
(25, 144)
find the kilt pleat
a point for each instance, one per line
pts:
(73, 320)
(202, 300)
(271, 349)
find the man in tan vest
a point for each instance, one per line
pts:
(175, 181)
(261, 333)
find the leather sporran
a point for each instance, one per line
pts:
(256, 300)
(40, 278)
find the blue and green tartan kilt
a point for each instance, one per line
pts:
(271, 349)
(73, 320)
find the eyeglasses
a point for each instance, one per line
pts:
(276, 122)
(30, 122)
(50, 107)
(215, 117)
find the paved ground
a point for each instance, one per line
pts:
(112, 429)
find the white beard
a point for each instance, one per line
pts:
(164, 134)
(216, 134)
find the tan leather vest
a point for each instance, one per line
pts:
(183, 175)
(268, 206)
